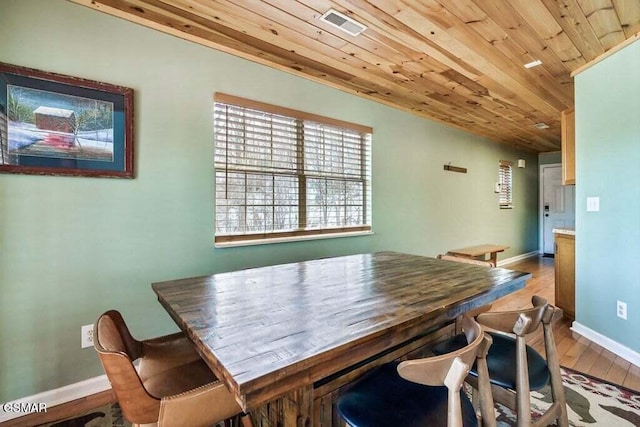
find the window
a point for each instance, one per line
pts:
(283, 173)
(505, 179)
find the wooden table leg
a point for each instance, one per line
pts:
(294, 409)
(494, 258)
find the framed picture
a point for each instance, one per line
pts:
(51, 124)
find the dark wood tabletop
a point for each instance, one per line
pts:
(267, 331)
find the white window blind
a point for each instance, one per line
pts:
(505, 179)
(282, 172)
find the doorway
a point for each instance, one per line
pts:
(557, 205)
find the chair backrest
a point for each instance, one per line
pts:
(449, 369)
(115, 335)
(521, 323)
(117, 350)
(432, 370)
(466, 260)
(511, 321)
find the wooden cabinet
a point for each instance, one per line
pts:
(565, 274)
(568, 122)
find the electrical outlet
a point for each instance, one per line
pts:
(621, 310)
(86, 336)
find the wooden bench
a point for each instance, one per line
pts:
(480, 252)
(480, 262)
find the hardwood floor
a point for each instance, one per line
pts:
(575, 352)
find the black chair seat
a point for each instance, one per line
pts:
(501, 361)
(383, 398)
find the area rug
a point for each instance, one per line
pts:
(105, 416)
(590, 402)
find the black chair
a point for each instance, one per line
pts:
(516, 369)
(422, 392)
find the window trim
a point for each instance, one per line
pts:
(245, 239)
(272, 240)
(284, 111)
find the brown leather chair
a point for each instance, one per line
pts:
(172, 385)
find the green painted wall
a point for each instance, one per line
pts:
(608, 166)
(71, 248)
(550, 158)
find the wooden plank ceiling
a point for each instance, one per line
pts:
(459, 62)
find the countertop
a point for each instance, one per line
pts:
(565, 230)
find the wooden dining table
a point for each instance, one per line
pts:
(285, 339)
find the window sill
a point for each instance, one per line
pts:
(290, 239)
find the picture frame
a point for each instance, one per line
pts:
(53, 124)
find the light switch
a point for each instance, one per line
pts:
(593, 204)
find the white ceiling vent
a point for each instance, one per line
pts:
(541, 125)
(343, 22)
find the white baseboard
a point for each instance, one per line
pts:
(55, 397)
(517, 258)
(613, 346)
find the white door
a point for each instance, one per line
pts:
(558, 204)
